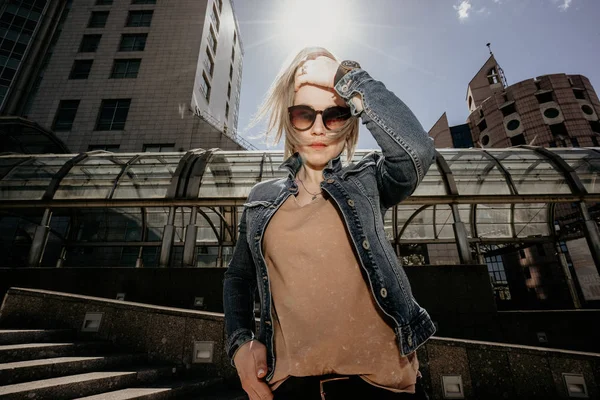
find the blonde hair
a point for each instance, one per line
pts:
(280, 96)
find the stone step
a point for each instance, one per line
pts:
(31, 370)
(201, 389)
(81, 385)
(132, 393)
(18, 336)
(33, 351)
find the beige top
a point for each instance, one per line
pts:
(324, 317)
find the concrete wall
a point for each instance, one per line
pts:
(458, 298)
(488, 370)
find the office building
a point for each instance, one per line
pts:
(142, 75)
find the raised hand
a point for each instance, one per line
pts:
(320, 72)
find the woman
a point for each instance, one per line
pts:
(338, 319)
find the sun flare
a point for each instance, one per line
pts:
(314, 22)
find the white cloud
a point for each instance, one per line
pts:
(565, 4)
(463, 9)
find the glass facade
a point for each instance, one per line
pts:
(18, 22)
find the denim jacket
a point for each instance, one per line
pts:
(363, 192)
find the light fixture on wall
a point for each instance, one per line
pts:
(453, 387)
(576, 386)
(203, 352)
(542, 337)
(121, 296)
(198, 301)
(92, 321)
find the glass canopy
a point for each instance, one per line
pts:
(137, 200)
(514, 174)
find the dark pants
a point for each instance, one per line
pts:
(309, 388)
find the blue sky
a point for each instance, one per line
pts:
(425, 51)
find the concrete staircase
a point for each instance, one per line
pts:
(49, 364)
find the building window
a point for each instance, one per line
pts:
(81, 69)
(517, 140)
(220, 2)
(229, 90)
(126, 68)
(595, 141)
(234, 37)
(526, 272)
(133, 42)
(595, 125)
(212, 40)
(513, 124)
(485, 140)
(226, 110)
(559, 129)
(482, 125)
(205, 86)
(587, 110)
(113, 114)
(498, 276)
(521, 253)
(233, 54)
(104, 2)
(231, 72)
(113, 148)
(575, 142)
(544, 97)
(98, 19)
(65, 115)
(159, 148)
(493, 76)
(551, 113)
(89, 43)
(143, 1)
(139, 18)
(509, 109)
(579, 94)
(209, 63)
(215, 18)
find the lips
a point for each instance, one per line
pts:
(318, 145)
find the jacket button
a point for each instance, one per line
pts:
(409, 340)
(268, 322)
(330, 180)
(383, 292)
(351, 203)
(366, 244)
(257, 237)
(264, 278)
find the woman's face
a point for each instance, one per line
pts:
(317, 147)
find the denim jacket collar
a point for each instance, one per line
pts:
(294, 162)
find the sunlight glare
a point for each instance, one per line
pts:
(314, 23)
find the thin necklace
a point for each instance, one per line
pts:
(314, 195)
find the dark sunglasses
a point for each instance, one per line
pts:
(303, 117)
